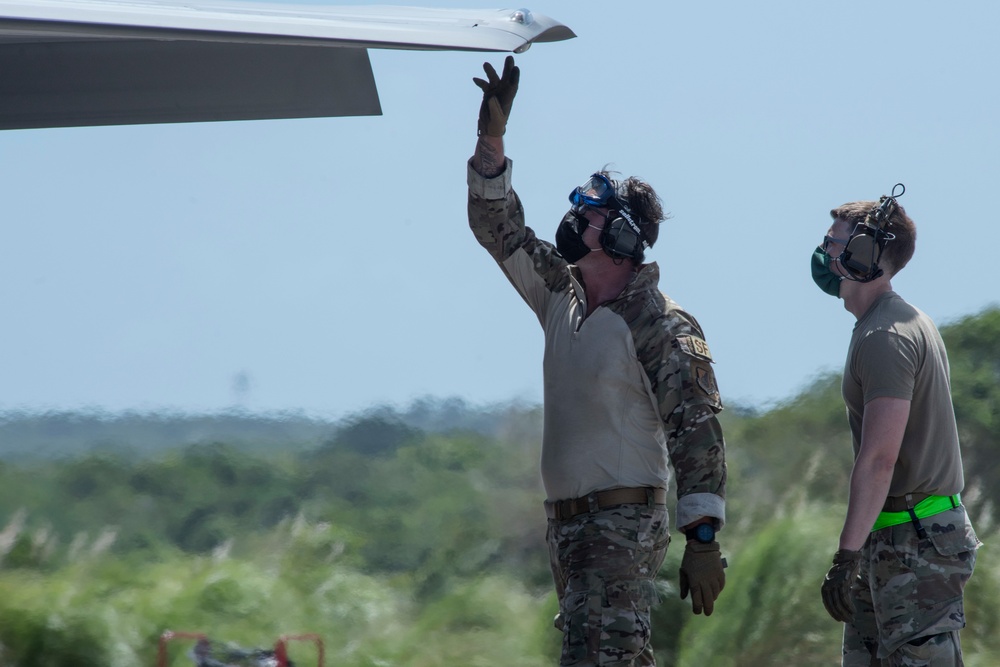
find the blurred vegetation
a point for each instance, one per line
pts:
(415, 537)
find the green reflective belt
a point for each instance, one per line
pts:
(929, 506)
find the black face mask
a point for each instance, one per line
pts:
(569, 238)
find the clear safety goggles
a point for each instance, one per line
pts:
(597, 192)
(828, 240)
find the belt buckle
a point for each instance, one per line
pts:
(566, 509)
(571, 507)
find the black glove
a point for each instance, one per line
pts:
(498, 96)
(703, 574)
(837, 585)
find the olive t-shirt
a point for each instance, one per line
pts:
(896, 351)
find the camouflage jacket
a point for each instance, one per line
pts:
(626, 387)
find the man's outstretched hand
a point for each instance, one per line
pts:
(498, 97)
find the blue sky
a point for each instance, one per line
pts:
(325, 265)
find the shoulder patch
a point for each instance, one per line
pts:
(694, 346)
(706, 381)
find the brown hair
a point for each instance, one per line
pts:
(643, 203)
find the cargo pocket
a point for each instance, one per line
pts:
(952, 538)
(921, 593)
(581, 626)
(625, 627)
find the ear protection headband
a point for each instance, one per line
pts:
(869, 238)
(621, 237)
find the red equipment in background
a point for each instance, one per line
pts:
(206, 654)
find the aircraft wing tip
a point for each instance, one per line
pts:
(557, 33)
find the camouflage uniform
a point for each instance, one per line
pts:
(626, 387)
(603, 565)
(910, 590)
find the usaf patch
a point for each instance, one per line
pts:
(694, 346)
(706, 381)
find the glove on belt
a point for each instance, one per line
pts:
(837, 585)
(703, 574)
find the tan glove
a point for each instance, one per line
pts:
(837, 585)
(498, 97)
(703, 574)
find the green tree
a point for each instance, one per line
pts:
(974, 352)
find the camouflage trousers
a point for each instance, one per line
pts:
(603, 564)
(908, 596)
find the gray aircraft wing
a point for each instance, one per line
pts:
(113, 62)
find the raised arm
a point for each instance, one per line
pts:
(498, 97)
(489, 158)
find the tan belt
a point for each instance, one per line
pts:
(899, 503)
(561, 510)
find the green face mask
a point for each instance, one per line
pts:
(823, 275)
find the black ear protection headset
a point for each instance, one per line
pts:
(868, 240)
(621, 237)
